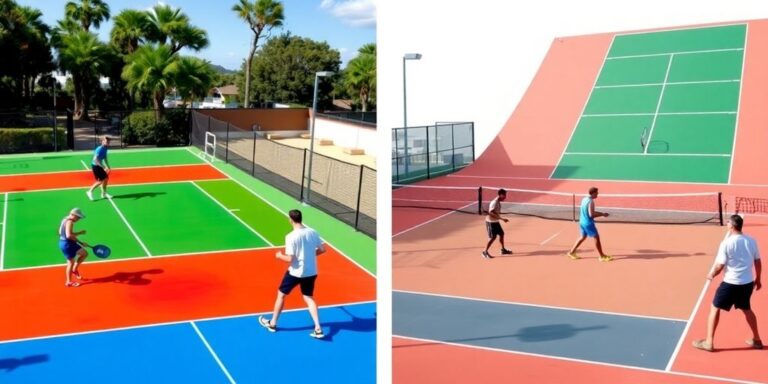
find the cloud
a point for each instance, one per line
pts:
(357, 13)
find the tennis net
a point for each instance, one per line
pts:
(678, 208)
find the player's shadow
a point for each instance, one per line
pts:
(652, 254)
(14, 363)
(331, 329)
(536, 334)
(130, 278)
(139, 195)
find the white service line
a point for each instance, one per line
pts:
(550, 238)
(687, 326)
(2, 242)
(130, 228)
(675, 53)
(213, 353)
(84, 165)
(650, 154)
(658, 104)
(738, 103)
(232, 213)
(670, 83)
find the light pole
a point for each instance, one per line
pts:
(407, 56)
(55, 125)
(318, 75)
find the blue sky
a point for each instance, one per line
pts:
(345, 25)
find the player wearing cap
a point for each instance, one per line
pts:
(71, 247)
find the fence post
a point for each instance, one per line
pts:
(359, 192)
(472, 135)
(70, 130)
(303, 174)
(480, 200)
(189, 128)
(426, 130)
(226, 148)
(720, 206)
(253, 160)
(453, 148)
(397, 160)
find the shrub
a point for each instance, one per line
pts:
(142, 128)
(15, 140)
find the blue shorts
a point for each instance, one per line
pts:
(69, 248)
(588, 229)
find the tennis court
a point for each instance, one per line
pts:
(192, 267)
(663, 108)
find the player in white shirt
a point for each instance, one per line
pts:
(737, 253)
(493, 226)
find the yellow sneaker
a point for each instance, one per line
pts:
(606, 258)
(573, 256)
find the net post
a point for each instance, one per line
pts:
(453, 149)
(480, 200)
(303, 175)
(573, 206)
(253, 160)
(426, 129)
(359, 193)
(720, 206)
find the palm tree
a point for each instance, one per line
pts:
(87, 13)
(85, 57)
(360, 75)
(129, 30)
(170, 26)
(151, 69)
(194, 77)
(261, 16)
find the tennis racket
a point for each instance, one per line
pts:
(100, 250)
(644, 138)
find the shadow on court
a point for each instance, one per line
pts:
(137, 196)
(537, 334)
(355, 324)
(14, 363)
(130, 278)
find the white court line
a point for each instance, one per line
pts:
(684, 374)
(119, 185)
(658, 105)
(675, 53)
(130, 228)
(41, 156)
(738, 105)
(430, 220)
(539, 306)
(670, 83)
(232, 213)
(687, 326)
(176, 322)
(134, 258)
(81, 162)
(659, 114)
(2, 243)
(235, 210)
(213, 353)
(353, 261)
(607, 180)
(684, 28)
(650, 154)
(550, 238)
(583, 109)
(87, 168)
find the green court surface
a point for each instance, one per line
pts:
(60, 162)
(680, 89)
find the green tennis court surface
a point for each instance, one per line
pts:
(678, 89)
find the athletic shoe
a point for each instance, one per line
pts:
(77, 274)
(265, 323)
(72, 284)
(487, 255)
(90, 195)
(606, 258)
(573, 256)
(317, 334)
(505, 251)
(756, 344)
(703, 345)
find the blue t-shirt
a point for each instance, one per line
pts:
(100, 153)
(584, 218)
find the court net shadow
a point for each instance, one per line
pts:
(536, 334)
(130, 278)
(11, 364)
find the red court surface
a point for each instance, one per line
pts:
(83, 179)
(164, 289)
(418, 361)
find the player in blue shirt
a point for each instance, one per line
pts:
(100, 167)
(587, 215)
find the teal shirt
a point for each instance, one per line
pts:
(100, 153)
(584, 218)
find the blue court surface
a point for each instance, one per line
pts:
(608, 338)
(226, 350)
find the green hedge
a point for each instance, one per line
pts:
(15, 140)
(144, 129)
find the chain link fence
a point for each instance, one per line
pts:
(424, 152)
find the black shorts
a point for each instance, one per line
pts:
(289, 282)
(494, 229)
(730, 295)
(99, 173)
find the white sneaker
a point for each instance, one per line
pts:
(90, 195)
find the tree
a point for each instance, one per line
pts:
(85, 57)
(87, 13)
(193, 78)
(360, 75)
(284, 70)
(168, 26)
(152, 69)
(129, 30)
(261, 16)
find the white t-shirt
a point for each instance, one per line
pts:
(738, 253)
(494, 206)
(303, 243)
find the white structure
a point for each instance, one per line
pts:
(348, 135)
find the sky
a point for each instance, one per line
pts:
(345, 25)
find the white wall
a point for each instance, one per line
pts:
(479, 56)
(348, 135)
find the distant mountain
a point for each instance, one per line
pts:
(222, 70)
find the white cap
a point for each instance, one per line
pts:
(77, 212)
